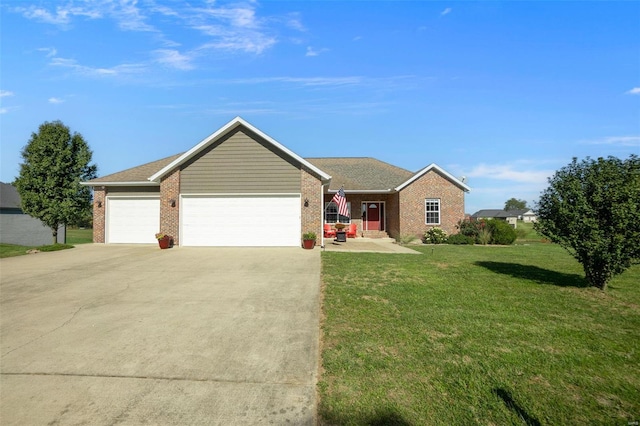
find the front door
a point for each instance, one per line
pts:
(373, 216)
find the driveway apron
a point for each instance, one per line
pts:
(124, 334)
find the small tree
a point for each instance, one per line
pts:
(55, 162)
(514, 204)
(592, 209)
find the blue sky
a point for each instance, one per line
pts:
(504, 93)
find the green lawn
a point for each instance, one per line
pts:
(79, 236)
(11, 250)
(477, 335)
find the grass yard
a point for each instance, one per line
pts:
(477, 335)
(79, 236)
(11, 250)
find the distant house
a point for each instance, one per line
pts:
(19, 228)
(511, 216)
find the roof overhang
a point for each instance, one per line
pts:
(364, 191)
(140, 183)
(441, 171)
(230, 126)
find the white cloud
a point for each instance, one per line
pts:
(510, 172)
(118, 70)
(61, 16)
(634, 91)
(5, 93)
(174, 59)
(446, 11)
(633, 141)
(50, 51)
(313, 52)
(55, 101)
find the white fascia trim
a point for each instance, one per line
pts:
(222, 131)
(434, 166)
(363, 191)
(143, 183)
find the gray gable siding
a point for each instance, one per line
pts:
(240, 163)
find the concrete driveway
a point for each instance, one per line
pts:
(133, 334)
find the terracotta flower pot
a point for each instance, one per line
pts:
(308, 244)
(165, 242)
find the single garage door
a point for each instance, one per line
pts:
(240, 220)
(132, 219)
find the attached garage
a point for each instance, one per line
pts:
(132, 219)
(241, 220)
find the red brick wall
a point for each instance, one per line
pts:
(170, 215)
(99, 198)
(312, 214)
(430, 185)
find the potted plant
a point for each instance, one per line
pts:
(309, 240)
(164, 240)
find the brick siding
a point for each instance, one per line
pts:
(412, 202)
(170, 215)
(99, 197)
(311, 214)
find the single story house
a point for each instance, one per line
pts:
(240, 187)
(511, 216)
(19, 228)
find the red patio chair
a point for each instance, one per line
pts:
(352, 231)
(328, 232)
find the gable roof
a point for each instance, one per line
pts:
(358, 174)
(224, 130)
(438, 169)
(9, 197)
(135, 176)
(500, 213)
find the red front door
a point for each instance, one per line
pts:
(373, 217)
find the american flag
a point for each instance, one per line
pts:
(341, 201)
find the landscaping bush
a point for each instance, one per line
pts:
(460, 239)
(434, 236)
(469, 227)
(501, 232)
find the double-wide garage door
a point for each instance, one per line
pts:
(132, 219)
(240, 220)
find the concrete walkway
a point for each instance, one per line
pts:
(367, 245)
(133, 334)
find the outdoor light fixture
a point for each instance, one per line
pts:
(306, 202)
(172, 202)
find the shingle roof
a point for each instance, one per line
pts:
(9, 197)
(499, 213)
(361, 173)
(136, 174)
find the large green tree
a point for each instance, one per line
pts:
(55, 161)
(592, 209)
(515, 204)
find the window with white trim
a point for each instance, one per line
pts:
(331, 213)
(432, 211)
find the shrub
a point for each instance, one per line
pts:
(469, 227)
(434, 236)
(501, 232)
(406, 238)
(484, 236)
(460, 239)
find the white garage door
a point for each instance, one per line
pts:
(240, 221)
(132, 219)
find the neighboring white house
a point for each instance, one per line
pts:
(19, 228)
(511, 216)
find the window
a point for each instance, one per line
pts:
(331, 213)
(432, 211)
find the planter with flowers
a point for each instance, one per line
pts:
(164, 241)
(309, 240)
